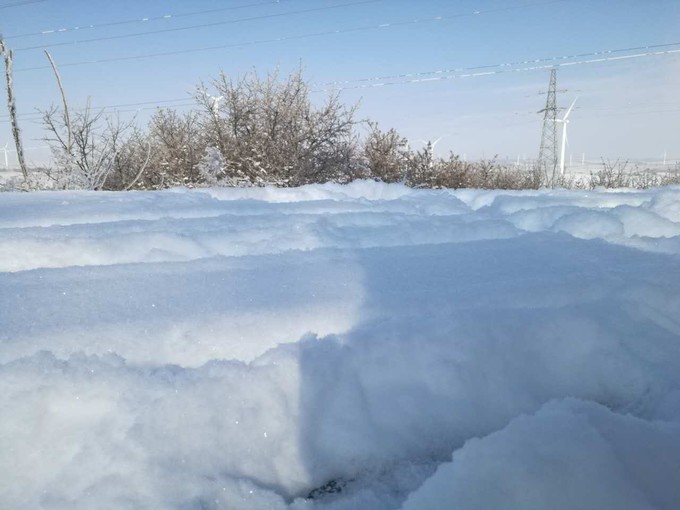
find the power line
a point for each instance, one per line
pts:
(628, 105)
(365, 28)
(501, 69)
(646, 112)
(146, 19)
(21, 4)
(202, 25)
(508, 114)
(38, 115)
(505, 64)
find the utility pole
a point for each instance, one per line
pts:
(547, 156)
(11, 105)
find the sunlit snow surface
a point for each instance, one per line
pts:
(372, 346)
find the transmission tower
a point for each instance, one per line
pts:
(547, 156)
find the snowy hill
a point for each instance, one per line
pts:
(363, 346)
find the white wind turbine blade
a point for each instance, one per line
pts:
(563, 150)
(430, 142)
(434, 144)
(215, 103)
(565, 120)
(566, 115)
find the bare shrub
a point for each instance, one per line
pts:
(213, 170)
(421, 169)
(83, 147)
(569, 181)
(511, 177)
(177, 143)
(256, 131)
(644, 178)
(386, 154)
(612, 175)
(269, 131)
(132, 157)
(455, 173)
(617, 175)
(670, 177)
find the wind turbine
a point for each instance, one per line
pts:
(565, 120)
(430, 144)
(429, 148)
(215, 104)
(6, 158)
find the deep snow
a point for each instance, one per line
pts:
(371, 345)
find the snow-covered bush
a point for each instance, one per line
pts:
(212, 167)
(269, 130)
(386, 154)
(214, 170)
(84, 148)
(176, 142)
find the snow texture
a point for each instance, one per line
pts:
(334, 347)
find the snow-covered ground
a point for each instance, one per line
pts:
(366, 346)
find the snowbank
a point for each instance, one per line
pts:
(570, 454)
(368, 346)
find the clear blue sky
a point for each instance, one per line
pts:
(627, 108)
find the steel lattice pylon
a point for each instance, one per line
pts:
(547, 156)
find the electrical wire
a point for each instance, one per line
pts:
(509, 114)
(502, 70)
(499, 69)
(627, 105)
(506, 64)
(146, 19)
(622, 114)
(202, 25)
(21, 4)
(364, 28)
(114, 107)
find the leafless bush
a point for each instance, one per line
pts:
(169, 151)
(84, 147)
(256, 131)
(511, 177)
(213, 170)
(618, 175)
(455, 173)
(386, 154)
(177, 144)
(670, 177)
(643, 178)
(612, 175)
(269, 131)
(131, 161)
(421, 169)
(569, 181)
